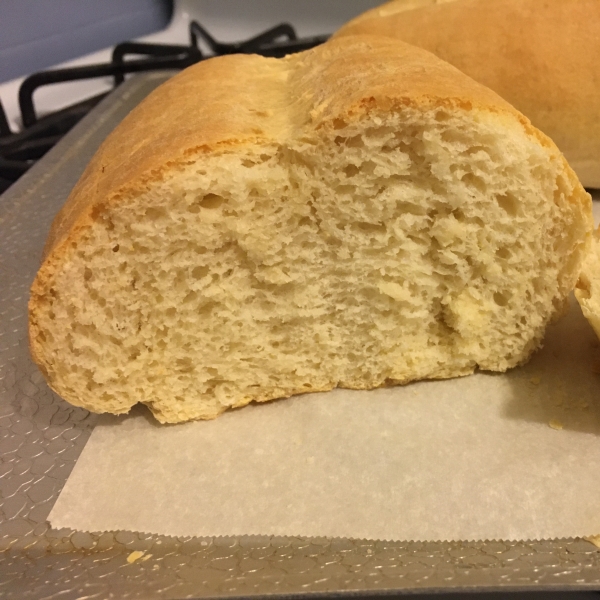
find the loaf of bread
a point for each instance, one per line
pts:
(358, 215)
(587, 290)
(539, 55)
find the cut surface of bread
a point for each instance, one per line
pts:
(587, 290)
(539, 55)
(358, 215)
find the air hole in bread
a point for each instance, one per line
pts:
(351, 170)
(200, 272)
(212, 201)
(501, 299)
(190, 297)
(155, 213)
(508, 203)
(474, 181)
(355, 141)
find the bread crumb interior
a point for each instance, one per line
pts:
(403, 246)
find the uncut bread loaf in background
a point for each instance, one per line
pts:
(539, 55)
(358, 215)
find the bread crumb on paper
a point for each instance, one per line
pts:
(555, 424)
(135, 555)
(535, 380)
(594, 539)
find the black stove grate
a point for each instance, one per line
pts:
(19, 151)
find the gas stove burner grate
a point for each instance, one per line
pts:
(19, 151)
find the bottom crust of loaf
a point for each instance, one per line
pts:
(164, 413)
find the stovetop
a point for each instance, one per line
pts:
(198, 29)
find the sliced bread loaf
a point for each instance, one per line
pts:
(358, 215)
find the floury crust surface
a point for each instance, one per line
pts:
(358, 215)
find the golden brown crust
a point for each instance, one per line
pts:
(228, 102)
(540, 55)
(184, 116)
(235, 100)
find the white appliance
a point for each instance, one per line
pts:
(226, 20)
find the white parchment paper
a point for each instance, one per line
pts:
(512, 456)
